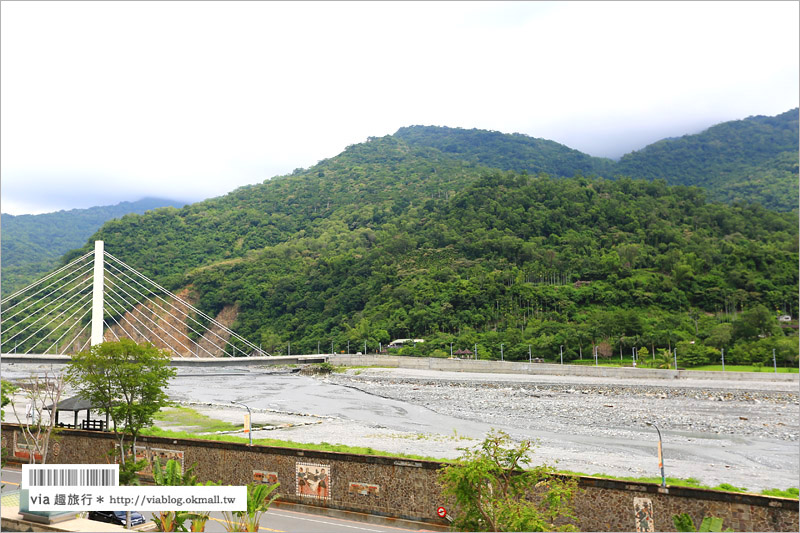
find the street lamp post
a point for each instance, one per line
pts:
(660, 455)
(249, 419)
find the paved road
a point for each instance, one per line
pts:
(275, 520)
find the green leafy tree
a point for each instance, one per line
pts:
(6, 392)
(495, 489)
(644, 357)
(696, 354)
(720, 335)
(128, 381)
(756, 321)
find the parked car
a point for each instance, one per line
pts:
(116, 517)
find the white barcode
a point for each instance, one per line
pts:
(72, 477)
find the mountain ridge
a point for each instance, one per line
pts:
(722, 158)
(392, 240)
(32, 244)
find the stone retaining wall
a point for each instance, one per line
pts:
(407, 489)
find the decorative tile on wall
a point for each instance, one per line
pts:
(313, 480)
(367, 489)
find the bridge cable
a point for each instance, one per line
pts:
(45, 308)
(70, 343)
(108, 327)
(40, 299)
(47, 324)
(122, 315)
(209, 330)
(213, 321)
(77, 323)
(35, 283)
(150, 300)
(112, 293)
(138, 307)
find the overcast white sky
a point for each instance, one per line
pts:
(110, 101)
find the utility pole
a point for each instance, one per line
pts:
(561, 352)
(365, 347)
(723, 359)
(675, 351)
(774, 363)
(501, 351)
(530, 359)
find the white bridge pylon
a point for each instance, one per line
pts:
(98, 290)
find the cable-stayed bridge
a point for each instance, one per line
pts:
(97, 298)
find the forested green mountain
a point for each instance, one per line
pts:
(391, 239)
(750, 160)
(507, 151)
(31, 245)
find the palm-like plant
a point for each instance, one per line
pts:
(258, 502)
(170, 520)
(171, 475)
(663, 359)
(199, 520)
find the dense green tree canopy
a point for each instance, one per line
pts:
(750, 160)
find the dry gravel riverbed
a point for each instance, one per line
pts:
(716, 431)
(720, 431)
(742, 433)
